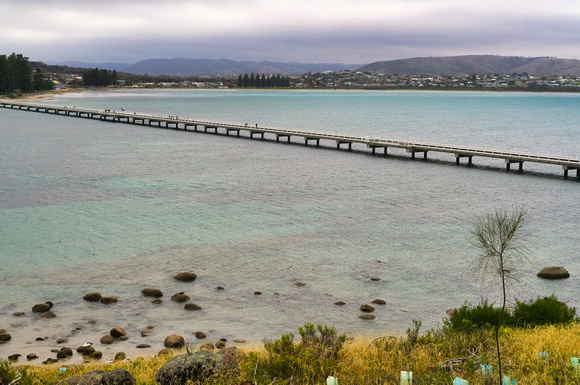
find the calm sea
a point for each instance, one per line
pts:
(92, 206)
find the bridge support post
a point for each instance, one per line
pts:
(567, 168)
(459, 156)
(508, 163)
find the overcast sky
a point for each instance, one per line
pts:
(313, 31)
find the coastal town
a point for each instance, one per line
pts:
(347, 79)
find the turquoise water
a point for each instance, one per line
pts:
(92, 206)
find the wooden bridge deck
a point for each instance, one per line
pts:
(174, 122)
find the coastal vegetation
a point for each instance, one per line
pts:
(18, 76)
(435, 357)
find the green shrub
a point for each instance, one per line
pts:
(543, 311)
(8, 374)
(469, 318)
(310, 361)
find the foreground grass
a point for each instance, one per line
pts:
(436, 357)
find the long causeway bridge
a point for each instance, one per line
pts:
(341, 141)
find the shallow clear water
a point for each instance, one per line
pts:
(92, 206)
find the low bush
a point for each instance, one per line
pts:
(543, 311)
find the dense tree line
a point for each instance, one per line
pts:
(263, 81)
(99, 78)
(16, 74)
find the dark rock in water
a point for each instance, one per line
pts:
(379, 302)
(367, 316)
(91, 378)
(67, 350)
(118, 377)
(257, 293)
(41, 308)
(196, 368)
(49, 361)
(553, 272)
(109, 300)
(93, 297)
(85, 350)
(96, 355)
(151, 292)
(117, 332)
(146, 332)
(143, 346)
(191, 306)
(14, 357)
(339, 303)
(185, 277)
(220, 344)
(107, 339)
(47, 314)
(5, 337)
(367, 308)
(61, 354)
(300, 284)
(39, 339)
(375, 279)
(200, 335)
(18, 314)
(174, 341)
(220, 288)
(180, 297)
(31, 356)
(49, 303)
(120, 356)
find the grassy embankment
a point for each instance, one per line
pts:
(436, 357)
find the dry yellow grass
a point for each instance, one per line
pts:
(363, 361)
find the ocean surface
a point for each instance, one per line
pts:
(92, 206)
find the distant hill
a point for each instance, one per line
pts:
(190, 67)
(476, 64)
(103, 66)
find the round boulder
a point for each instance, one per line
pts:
(47, 314)
(5, 337)
(553, 272)
(117, 332)
(93, 297)
(379, 302)
(174, 341)
(185, 277)
(109, 300)
(180, 297)
(41, 308)
(200, 335)
(67, 350)
(367, 308)
(107, 339)
(120, 356)
(196, 368)
(191, 306)
(151, 292)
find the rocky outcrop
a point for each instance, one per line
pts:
(185, 277)
(553, 272)
(100, 377)
(197, 367)
(174, 341)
